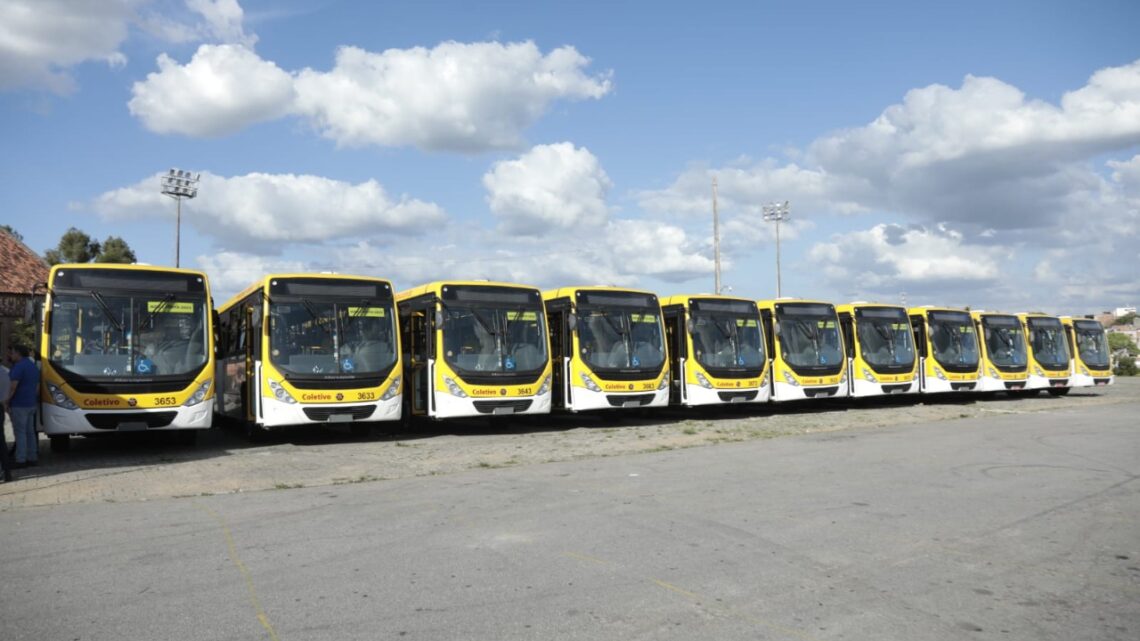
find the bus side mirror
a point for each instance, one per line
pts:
(438, 318)
(572, 321)
(689, 325)
(776, 328)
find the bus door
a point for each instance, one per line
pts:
(918, 324)
(846, 326)
(770, 341)
(675, 338)
(251, 390)
(560, 323)
(420, 330)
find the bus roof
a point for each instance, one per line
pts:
(120, 266)
(852, 306)
(436, 287)
(683, 299)
(263, 283)
(770, 303)
(919, 309)
(568, 292)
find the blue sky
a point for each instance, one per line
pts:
(983, 154)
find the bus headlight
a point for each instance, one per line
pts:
(1085, 371)
(843, 376)
(993, 373)
(281, 393)
(664, 383)
(939, 374)
(791, 380)
(199, 394)
(704, 381)
(1037, 371)
(869, 376)
(392, 390)
(454, 387)
(589, 383)
(61, 399)
(545, 387)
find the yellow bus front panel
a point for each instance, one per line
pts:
(1004, 354)
(1050, 366)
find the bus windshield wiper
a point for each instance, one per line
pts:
(162, 306)
(360, 311)
(316, 317)
(107, 310)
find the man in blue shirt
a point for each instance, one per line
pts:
(23, 399)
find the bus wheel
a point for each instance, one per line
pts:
(60, 442)
(1059, 391)
(186, 437)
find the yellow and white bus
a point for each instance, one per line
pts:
(880, 349)
(1088, 346)
(1050, 366)
(474, 348)
(607, 347)
(126, 348)
(948, 356)
(297, 349)
(716, 350)
(805, 349)
(1005, 360)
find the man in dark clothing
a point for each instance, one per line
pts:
(23, 399)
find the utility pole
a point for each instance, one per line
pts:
(716, 242)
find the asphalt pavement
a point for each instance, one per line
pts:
(1003, 526)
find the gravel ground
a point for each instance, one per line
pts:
(144, 467)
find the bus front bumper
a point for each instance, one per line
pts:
(59, 421)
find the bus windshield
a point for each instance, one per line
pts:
(106, 333)
(954, 341)
(620, 338)
(315, 335)
(885, 336)
(809, 335)
(492, 329)
(1047, 336)
(1091, 344)
(726, 335)
(1005, 341)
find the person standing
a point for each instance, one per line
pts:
(5, 456)
(23, 397)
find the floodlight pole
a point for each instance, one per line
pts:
(716, 242)
(179, 184)
(777, 212)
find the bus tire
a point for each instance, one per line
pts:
(60, 442)
(1059, 391)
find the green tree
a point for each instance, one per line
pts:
(11, 232)
(1118, 342)
(77, 247)
(1126, 319)
(74, 247)
(1125, 366)
(115, 250)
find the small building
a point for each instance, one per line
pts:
(23, 275)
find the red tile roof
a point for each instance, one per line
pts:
(20, 267)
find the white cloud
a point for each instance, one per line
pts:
(223, 21)
(549, 189)
(268, 210)
(223, 89)
(230, 272)
(645, 248)
(455, 96)
(40, 40)
(887, 258)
